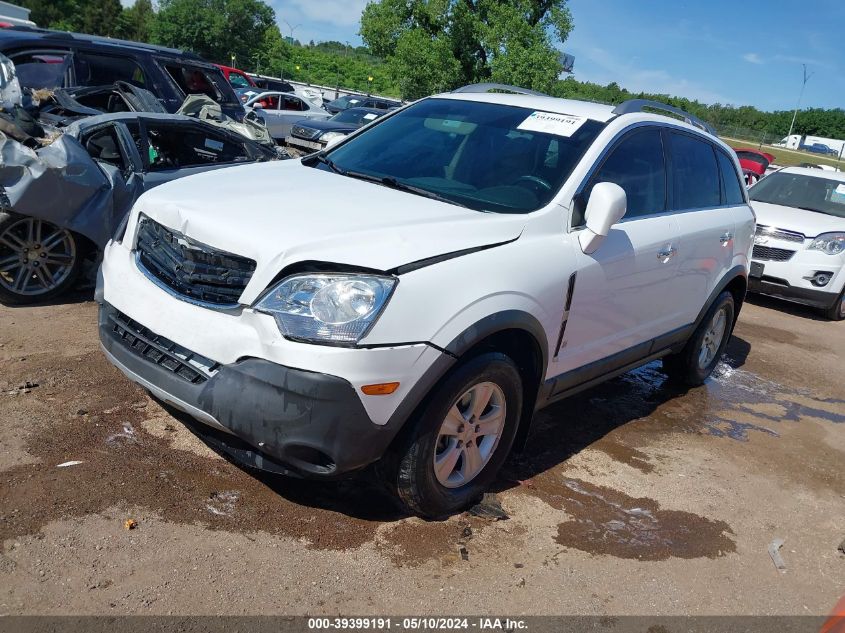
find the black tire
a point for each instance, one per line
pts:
(686, 367)
(408, 468)
(836, 312)
(9, 223)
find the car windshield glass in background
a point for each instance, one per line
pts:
(238, 81)
(480, 155)
(347, 101)
(354, 116)
(802, 192)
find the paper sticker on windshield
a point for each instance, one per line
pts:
(551, 123)
(369, 117)
(840, 189)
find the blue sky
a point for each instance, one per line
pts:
(716, 50)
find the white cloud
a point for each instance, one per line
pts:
(752, 58)
(653, 80)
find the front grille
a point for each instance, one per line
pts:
(772, 254)
(160, 351)
(780, 234)
(304, 132)
(190, 270)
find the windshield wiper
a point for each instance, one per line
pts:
(321, 158)
(393, 183)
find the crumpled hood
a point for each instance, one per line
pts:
(281, 213)
(809, 223)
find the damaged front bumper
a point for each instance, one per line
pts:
(267, 415)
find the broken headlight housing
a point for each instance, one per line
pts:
(830, 243)
(330, 308)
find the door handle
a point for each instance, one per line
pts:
(667, 254)
(727, 237)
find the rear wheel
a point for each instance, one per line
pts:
(705, 347)
(836, 312)
(38, 260)
(460, 438)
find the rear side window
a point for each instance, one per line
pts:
(695, 174)
(730, 180)
(294, 103)
(238, 80)
(636, 164)
(193, 80)
(41, 69)
(100, 70)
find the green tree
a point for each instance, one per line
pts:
(101, 17)
(432, 45)
(136, 22)
(214, 29)
(98, 17)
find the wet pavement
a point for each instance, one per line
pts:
(633, 497)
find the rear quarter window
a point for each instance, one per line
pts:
(730, 180)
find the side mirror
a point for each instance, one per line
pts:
(257, 106)
(605, 208)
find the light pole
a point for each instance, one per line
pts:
(292, 29)
(803, 85)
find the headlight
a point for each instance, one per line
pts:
(830, 243)
(328, 308)
(328, 136)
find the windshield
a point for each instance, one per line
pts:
(354, 116)
(480, 155)
(813, 193)
(347, 101)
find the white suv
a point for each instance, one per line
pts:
(799, 249)
(410, 296)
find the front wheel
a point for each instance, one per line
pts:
(705, 347)
(38, 260)
(459, 439)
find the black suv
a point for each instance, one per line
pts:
(57, 59)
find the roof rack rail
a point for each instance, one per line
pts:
(639, 105)
(487, 87)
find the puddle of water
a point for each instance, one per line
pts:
(608, 522)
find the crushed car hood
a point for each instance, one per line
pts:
(810, 223)
(281, 213)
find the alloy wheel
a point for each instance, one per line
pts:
(35, 257)
(469, 435)
(713, 338)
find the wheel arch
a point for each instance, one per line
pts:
(736, 282)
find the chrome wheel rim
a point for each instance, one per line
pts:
(35, 257)
(713, 338)
(469, 435)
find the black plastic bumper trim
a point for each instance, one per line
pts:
(806, 296)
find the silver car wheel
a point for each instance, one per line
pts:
(713, 338)
(35, 257)
(469, 435)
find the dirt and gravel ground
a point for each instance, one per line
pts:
(632, 498)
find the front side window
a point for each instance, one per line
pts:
(636, 164)
(811, 193)
(695, 175)
(480, 155)
(730, 180)
(177, 147)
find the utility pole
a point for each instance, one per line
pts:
(803, 85)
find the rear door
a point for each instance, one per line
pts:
(705, 214)
(624, 293)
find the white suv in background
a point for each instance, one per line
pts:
(410, 296)
(799, 248)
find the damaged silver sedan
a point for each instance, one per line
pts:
(62, 198)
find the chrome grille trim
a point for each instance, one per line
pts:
(780, 234)
(189, 270)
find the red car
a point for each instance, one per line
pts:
(754, 163)
(238, 78)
